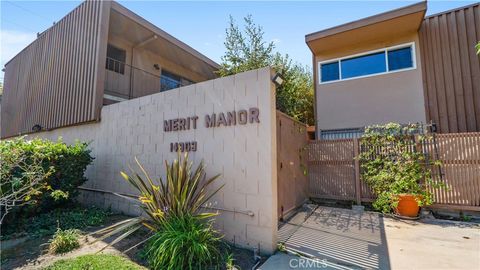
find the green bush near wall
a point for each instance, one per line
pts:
(66, 162)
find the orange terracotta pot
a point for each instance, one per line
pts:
(407, 205)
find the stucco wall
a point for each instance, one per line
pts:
(391, 97)
(146, 78)
(245, 155)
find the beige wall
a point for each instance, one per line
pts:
(393, 97)
(146, 79)
(245, 155)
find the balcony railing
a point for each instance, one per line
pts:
(123, 81)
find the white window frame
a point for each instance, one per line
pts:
(385, 50)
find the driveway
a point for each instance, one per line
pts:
(347, 239)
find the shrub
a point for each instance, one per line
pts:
(66, 165)
(392, 165)
(96, 262)
(182, 193)
(45, 223)
(184, 242)
(17, 189)
(64, 241)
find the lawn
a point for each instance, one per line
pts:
(94, 262)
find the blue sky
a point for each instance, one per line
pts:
(202, 24)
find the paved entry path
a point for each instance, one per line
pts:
(347, 239)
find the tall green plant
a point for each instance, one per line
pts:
(183, 192)
(391, 165)
(184, 242)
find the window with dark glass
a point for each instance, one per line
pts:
(330, 72)
(368, 64)
(363, 65)
(116, 58)
(169, 81)
(400, 58)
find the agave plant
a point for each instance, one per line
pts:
(181, 193)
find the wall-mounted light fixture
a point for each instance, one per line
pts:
(278, 79)
(37, 128)
(156, 66)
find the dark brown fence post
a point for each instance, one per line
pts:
(358, 189)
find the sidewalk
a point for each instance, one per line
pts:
(365, 240)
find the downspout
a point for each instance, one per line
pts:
(138, 45)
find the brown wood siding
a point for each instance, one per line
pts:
(451, 69)
(54, 81)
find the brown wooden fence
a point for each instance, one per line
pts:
(292, 186)
(334, 173)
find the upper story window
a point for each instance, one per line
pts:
(169, 81)
(116, 58)
(376, 62)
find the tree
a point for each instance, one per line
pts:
(478, 47)
(245, 50)
(248, 50)
(295, 96)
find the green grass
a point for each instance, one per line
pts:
(94, 262)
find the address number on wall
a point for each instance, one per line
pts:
(183, 147)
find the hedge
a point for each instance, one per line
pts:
(67, 164)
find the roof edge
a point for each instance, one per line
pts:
(399, 12)
(452, 10)
(143, 22)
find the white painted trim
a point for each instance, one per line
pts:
(414, 62)
(114, 98)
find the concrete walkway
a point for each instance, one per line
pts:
(365, 240)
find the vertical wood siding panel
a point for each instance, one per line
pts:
(67, 64)
(27, 85)
(81, 72)
(73, 70)
(21, 96)
(431, 74)
(448, 75)
(94, 14)
(466, 72)
(90, 13)
(38, 82)
(100, 56)
(457, 73)
(74, 98)
(439, 75)
(47, 59)
(423, 58)
(57, 55)
(472, 40)
(56, 87)
(451, 69)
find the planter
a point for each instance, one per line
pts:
(407, 205)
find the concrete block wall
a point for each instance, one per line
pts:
(245, 155)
